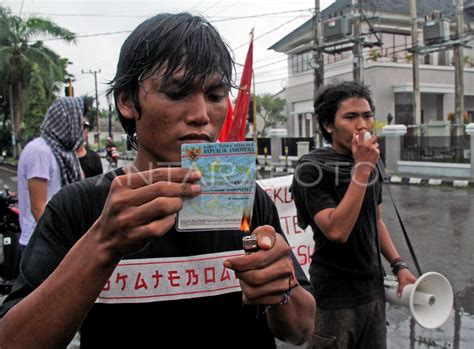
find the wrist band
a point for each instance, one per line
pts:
(396, 260)
(397, 266)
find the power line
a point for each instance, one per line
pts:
(84, 15)
(197, 5)
(257, 16)
(268, 81)
(270, 31)
(92, 35)
(147, 15)
(211, 5)
(269, 64)
(225, 8)
(277, 56)
(234, 18)
(21, 7)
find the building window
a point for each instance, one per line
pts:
(300, 62)
(304, 124)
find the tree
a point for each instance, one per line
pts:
(20, 53)
(270, 110)
(38, 103)
(91, 113)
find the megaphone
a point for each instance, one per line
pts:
(430, 298)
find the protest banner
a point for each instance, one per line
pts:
(300, 240)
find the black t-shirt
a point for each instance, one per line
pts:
(349, 274)
(91, 164)
(216, 320)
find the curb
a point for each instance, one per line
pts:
(394, 179)
(421, 181)
(280, 170)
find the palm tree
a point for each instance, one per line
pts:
(20, 54)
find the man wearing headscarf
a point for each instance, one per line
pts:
(49, 162)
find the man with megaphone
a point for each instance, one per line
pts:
(338, 192)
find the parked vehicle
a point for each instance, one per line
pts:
(9, 239)
(113, 156)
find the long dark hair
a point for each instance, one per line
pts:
(170, 42)
(329, 100)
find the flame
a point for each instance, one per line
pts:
(245, 223)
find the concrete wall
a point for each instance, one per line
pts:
(434, 169)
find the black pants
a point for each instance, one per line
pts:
(363, 327)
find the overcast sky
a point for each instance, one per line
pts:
(102, 26)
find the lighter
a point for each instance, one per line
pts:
(250, 243)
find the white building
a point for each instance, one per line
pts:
(387, 69)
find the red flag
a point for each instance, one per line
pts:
(236, 131)
(228, 121)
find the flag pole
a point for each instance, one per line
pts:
(237, 128)
(254, 121)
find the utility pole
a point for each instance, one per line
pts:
(459, 68)
(109, 100)
(94, 72)
(358, 48)
(318, 59)
(317, 52)
(416, 66)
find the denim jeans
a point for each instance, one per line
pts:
(363, 327)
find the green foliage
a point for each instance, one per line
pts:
(26, 62)
(378, 125)
(374, 55)
(38, 103)
(270, 110)
(91, 113)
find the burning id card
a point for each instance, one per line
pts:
(228, 185)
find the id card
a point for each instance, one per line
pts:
(227, 185)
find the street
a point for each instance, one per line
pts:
(7, 177)
(440, 222)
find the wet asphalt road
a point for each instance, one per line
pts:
(440, 223)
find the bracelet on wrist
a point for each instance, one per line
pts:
(396, 267)
(395, 260)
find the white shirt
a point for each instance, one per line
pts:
(36, 161)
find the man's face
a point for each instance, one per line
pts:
(171, 118)
(354, 116)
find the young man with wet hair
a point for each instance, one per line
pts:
(106, 258)
(338, 192)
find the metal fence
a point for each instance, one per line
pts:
(436, 149)
(264, 145)
(413, 148)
